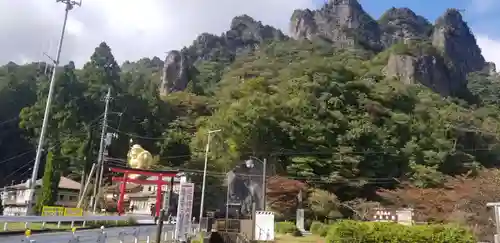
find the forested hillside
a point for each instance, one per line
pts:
(348, 120)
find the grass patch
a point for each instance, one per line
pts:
(286, 238)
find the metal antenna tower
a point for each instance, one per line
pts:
(69, 5)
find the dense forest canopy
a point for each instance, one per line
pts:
(330, 117)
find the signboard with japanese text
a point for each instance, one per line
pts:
(184, 210)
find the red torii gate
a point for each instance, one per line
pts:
(159, 182)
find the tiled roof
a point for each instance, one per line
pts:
(64, 183)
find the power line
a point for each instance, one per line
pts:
(9, 120)
(18, 169)
(16, 156)
(135, 135)
(307, 178)
(32, 150)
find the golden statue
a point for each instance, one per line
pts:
(139, 158)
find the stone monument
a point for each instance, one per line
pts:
(299, 221)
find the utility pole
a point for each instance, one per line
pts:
(205, 173)
(264, 185)
(100, 164)
(69, 5)
(107, 142)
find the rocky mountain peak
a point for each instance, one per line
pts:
(450, 17)
(248, 29)
(453, 37)
(350, 3)
(401, 25)
(244, 33)
(343, 23)
(174, 74)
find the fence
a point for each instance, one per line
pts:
(27, 220)
(125, 234)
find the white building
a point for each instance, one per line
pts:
(16, 197)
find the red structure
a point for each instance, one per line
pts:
(159, 182)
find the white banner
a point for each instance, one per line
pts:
(184, 209)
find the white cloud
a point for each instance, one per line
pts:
(483, 6)
(132, 28)
(490, 49)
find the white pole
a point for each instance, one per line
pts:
(34, 175)
(205, 175)
(84, 193)
(264, 186)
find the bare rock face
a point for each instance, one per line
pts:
(245, 33)
(452, 35)
(343, 23)
(429, 70)
(490, 68)
(303, 25)
(401, 25)
(174, 75)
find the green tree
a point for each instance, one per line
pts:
(50, 183)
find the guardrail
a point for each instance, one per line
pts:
(137, 234)
(67, 218)
(102, 235)
(125, 234)
(60, 219)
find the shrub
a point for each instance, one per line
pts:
(107, 223)
(375, 232)
(323, 231)
(285, 227)
(316, 227)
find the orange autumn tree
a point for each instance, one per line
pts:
(463, 200)
(282, 195)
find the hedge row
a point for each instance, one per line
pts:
(376, 232)
(286, 228)
(319, 228)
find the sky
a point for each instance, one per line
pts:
(145, 28)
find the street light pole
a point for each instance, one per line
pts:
(205, 173)
(34, 175)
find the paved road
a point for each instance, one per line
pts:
(90, 236)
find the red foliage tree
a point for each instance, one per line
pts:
(282, 194)
(463, 200)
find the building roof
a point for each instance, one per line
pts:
(64, 183)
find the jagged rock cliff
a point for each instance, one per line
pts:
(175, 73)
(402, 24)
(444, 72)
(244, 34)
(452, 35)
(343, 23)
(429, 70)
